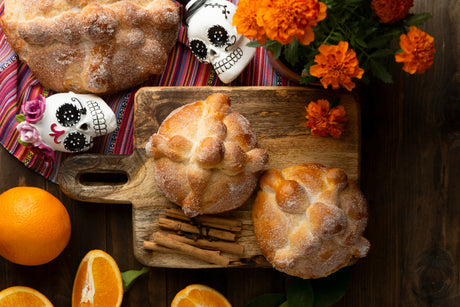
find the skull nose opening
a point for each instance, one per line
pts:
(84, 126)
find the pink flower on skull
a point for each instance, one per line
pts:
(29, 134)
(47, 152)
(33, 109)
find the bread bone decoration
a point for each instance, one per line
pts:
(65, 122)
(206, 157)
(309, 220)
(213, 38)
(96, 47)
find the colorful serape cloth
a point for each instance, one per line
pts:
(18, 84)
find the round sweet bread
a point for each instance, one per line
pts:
(206, 157)
(309, 220)
(84, 46)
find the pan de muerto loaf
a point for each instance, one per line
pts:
(309, 220)
(98, 46)
(206, 158)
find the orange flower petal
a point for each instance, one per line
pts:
(324, 121)
(391, 11)
(245, 21)
(285, 19)
(418, 51)
(336, 66)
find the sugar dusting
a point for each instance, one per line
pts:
(204, 124)
(69, 24)
(310, 253)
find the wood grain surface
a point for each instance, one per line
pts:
(277, 115)
(410, 175)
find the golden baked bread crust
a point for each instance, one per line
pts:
(206, 157)
(309, 220)
(92, 46)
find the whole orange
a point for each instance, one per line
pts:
(34, 226)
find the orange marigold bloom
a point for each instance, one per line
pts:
(391, 11)
(285, 19)
(245, 21)
(336, 65)
(418, 51)
(323, 121)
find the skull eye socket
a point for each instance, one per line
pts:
(75, 141)
(218, 35)
(68, 115)
(199, 49)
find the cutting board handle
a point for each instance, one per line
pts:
(77, 174)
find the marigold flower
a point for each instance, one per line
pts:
(245, 21)
(391, 11)
(336, 65)
(285, 19)
(324, 121)
(418, 51)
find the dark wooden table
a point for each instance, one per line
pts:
(410, 175)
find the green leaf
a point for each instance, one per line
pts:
(337, 37)
(267, 300)
(20, 118)
(379, 42)
(370, 31)
(381, 53)
(354, 1)
(300, 293)
(379, 71)
(329, 290)
(393, 32)
(418, 19)
(130, 276)
(306, 80)
(285, 304)
(254, 44)
(292, 52)
(23, 143)
(271, 44)
(277, 51)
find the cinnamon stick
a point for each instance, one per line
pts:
(180, 226)
(158, 248)
(150, 245)
(228, 247)
(206, 255)
(206, 220)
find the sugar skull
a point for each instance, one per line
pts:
(213, 39)
(68, 122)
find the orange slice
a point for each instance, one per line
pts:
(23, 296)
(98, 281)
(199, 296)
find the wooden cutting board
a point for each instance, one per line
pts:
(277, 115)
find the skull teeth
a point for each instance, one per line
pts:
(225, 64)
(99, 122)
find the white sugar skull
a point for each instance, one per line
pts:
(68, 122)
(213, 39)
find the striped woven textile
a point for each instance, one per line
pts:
(18, 84)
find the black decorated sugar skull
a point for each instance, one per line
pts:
(213, 39)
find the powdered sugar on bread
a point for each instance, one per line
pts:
(206, 157)
(115, 44)
(309, 220)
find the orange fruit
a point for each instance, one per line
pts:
(98, 281)
(23, 296)
(34, 226)
(197, 295)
